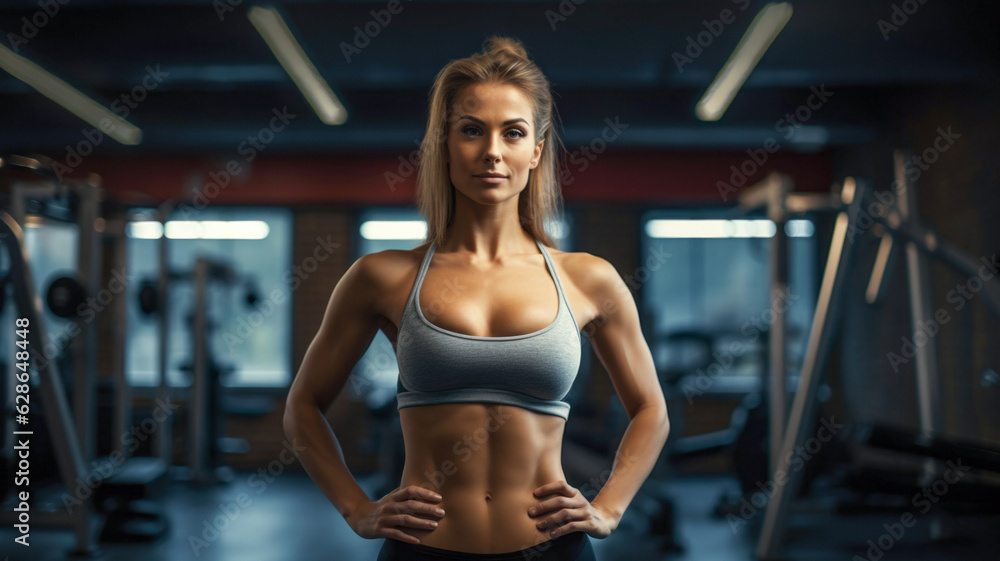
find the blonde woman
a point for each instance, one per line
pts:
(483, 365)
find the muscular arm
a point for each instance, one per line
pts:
(347, 329)
(618, 342)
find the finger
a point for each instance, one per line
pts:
(561, 517)
(556, 487)
(556, 503)
(420, 507)
(411, 521)
(407, 521)
(417, 492)
(565, 529)
(549, 488)
(400, 535)
(573, 521)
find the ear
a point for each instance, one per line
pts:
(538, 154)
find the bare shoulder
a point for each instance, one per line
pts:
(382, 271)
(590, 274)
(388, 264)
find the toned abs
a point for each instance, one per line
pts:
(485, 461)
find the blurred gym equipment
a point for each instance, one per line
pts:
(75, 203)
(754, 435)
(119, 484)
(206, 440)
(900, 221)
(66, 445)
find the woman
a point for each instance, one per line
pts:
(483, 366)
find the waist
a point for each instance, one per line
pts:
(485, 461)
(567, 546)
(484, 518)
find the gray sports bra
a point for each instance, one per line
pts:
(534, 371)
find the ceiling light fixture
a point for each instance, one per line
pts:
(69, 97)
(292, 57)
(765, 27)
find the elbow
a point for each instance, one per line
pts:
(289, 420)
(663, 421)
(655, 418)
(300, 416)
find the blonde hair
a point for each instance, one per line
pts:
(503, 61)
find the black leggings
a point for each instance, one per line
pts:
(574, 546)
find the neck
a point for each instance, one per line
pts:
(489, 232)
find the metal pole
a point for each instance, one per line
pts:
(774, 193)
(919, 282)
(918, 278)
(165, 435)
(198, 426)
(123, 393)
(780, 187)
(828, 306)
(85, 344)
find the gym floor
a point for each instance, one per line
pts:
(290, 520)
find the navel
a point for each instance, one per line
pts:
(489, 496)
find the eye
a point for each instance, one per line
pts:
(520, 133)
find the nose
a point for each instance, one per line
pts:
(492, 153)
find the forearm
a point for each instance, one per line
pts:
(321, 456)
(636, 456)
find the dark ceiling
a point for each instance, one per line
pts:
(604, 60)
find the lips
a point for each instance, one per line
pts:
(496, 175)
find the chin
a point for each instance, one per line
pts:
(488, 194)
(490, 198)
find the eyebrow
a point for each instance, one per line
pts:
(480, 121)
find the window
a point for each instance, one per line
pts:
(714, 287)
(250, 342)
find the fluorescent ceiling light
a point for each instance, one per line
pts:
(146, 230)
(289, 53)
(417, 229)
(394, 229)
(799, 228)
(764, 28)
(69, 97)
(206, 230)
(670, 228)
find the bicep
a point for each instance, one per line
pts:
(348, 327)
(618, 342)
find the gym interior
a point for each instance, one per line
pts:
(802, 197)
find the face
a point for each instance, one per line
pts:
(491, 131)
